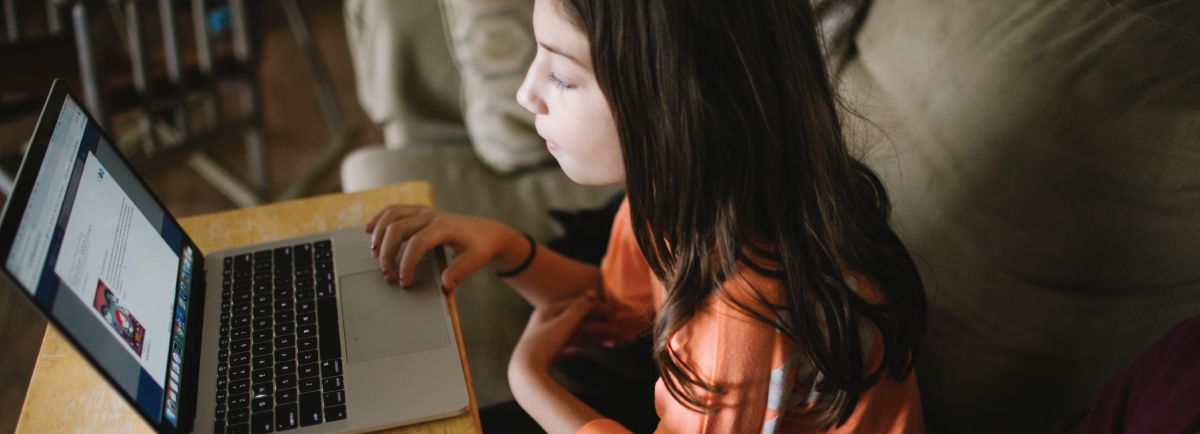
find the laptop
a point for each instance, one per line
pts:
(300, 335)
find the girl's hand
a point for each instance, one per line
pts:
(475, 241)
(547, 333)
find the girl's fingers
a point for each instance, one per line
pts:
(384, 218)
(420, 242)
(464, 265)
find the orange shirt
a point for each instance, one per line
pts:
(768, 380)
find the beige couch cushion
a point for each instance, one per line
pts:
(1044, 161)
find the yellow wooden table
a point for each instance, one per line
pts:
(67, 395)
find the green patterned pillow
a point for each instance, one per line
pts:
(493, 45)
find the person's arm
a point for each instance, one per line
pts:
(475, 242)
(555, 409)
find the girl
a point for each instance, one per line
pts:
(751, 245)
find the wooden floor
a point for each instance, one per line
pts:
(296, 133)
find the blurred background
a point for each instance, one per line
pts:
(295, 130)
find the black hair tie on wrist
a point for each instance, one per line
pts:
(528, 260)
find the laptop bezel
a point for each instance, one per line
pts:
(10, 220)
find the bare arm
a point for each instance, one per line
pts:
(475, 242)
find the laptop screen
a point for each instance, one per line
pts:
(100, 255)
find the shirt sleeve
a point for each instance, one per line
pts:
(603, 426)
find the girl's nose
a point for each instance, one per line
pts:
(527, 95)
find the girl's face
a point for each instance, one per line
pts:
(572, 113)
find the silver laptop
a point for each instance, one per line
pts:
(299, 335)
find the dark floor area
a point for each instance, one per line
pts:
(296, 133)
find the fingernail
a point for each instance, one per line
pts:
(372, 247)
(400, 279)
(385, 273)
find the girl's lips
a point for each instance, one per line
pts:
(551, 146)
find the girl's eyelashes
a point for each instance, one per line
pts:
(558, 82)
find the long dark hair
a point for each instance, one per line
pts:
(735, 160)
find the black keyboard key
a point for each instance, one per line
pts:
(322, 246)
(222, 381)
(228, 261)
(305, 294)
(261, 404)
(285, 305)
(285, 382)
(323, 256)
(325, 290)
(225, 316)
(260, 267)
(242, 287)
(262, 362)
(309, 370)
(244, 297)
(239, 401)
(325, 277)
(242, 428)
(286, 328)
(241, 415)
(222, 369)
(337, 397)
(288, 316)
(262, 323)
(302, 254)
(306, 318)
(323, 267)
(286, 417)
(327, 320)
(335, 413)
(262, 335)
(225, 305)
(331, 368)
(306, 344)
(239, 346)
(242, 275)
(224, 330)
(264, 298)
(283, 254)
(307, 357)
(223, 355)
(240, 359)
(283, 278)
(239, 386)
(284, 368)
(283, 293)
(223, 342)
(284, 342)
(241, 320)
(285, 396)
(239, 373)
(259, 376)
(261, 390)
(221, 396)
(240, 333)
(304, 283)
(220, 412)
(262, 255)
(261, 347)
(331, 384)
(310, 409)
(243, 261)
(264, 310)
(306, 306)
(262, 423)
(305, 272)
(226, 293)
(309, 384)
(285, 354)
(219, 427)
(263, 284)
(307, 331)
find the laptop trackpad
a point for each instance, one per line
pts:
(384, 320)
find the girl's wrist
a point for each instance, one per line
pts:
(515, 250)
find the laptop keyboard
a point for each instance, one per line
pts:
(280, 352)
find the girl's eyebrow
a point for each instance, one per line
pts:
(563, 54)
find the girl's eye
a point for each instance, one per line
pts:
(558, 82)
